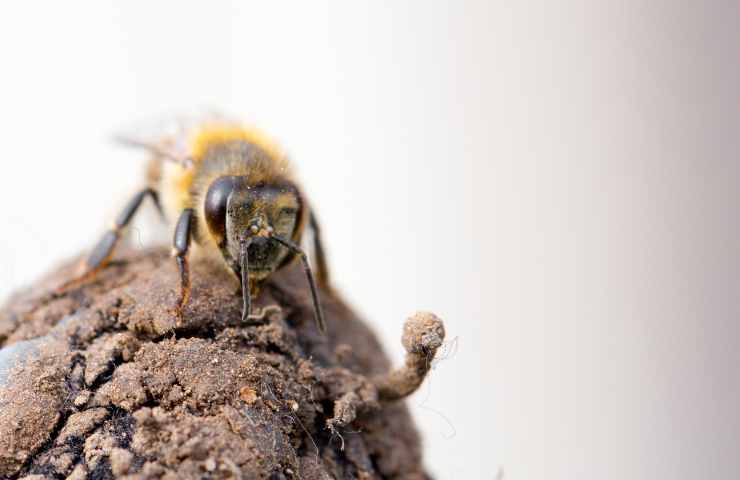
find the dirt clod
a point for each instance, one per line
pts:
(104, 382)
(249, 395)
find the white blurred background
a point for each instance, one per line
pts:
(559, 183)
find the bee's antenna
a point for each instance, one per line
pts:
(244, 265)
(311, 282)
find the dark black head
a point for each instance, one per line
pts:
(257, 226)
(243, 215)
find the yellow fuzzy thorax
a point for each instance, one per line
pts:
(213, 134)
(178, 179)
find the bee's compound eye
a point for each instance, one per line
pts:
(215, 205)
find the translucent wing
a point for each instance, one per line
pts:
(168, 137)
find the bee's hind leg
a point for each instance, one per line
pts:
(180, 248)
(100, 255)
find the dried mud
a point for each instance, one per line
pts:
(105, 382)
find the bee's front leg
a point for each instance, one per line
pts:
(180, 248)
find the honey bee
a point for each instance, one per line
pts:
(234, 196)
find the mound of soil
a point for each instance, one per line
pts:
(104, 381)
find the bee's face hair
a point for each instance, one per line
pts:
(238, 213)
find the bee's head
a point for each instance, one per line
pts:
(242, 216)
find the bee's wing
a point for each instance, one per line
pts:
(157, 148)
(169, 137)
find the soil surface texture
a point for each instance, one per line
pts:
(105, 381)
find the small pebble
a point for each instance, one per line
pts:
(249, 395)
(82, 398)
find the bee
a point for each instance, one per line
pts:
(235, 198)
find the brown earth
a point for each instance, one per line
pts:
(105, 382)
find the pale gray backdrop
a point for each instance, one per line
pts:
(558, 182)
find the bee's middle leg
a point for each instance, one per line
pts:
(180, 248)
